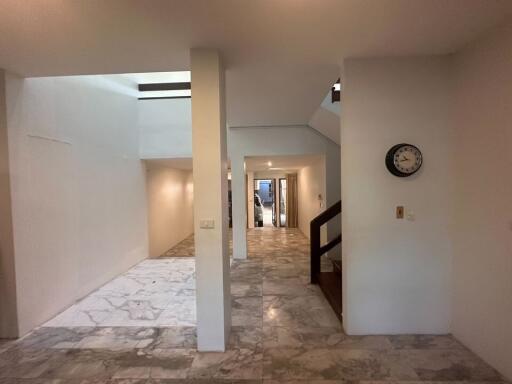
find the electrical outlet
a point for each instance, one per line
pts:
(400, 212)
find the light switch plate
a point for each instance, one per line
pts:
(206, 223)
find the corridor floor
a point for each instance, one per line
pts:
(154, 293)
(283, 332)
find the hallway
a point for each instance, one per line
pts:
(283, 329)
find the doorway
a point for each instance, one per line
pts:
(265, 214)
(270, 202)
(282, 202)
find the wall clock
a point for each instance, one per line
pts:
(404, 160)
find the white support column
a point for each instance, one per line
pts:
(238, 194)
(8, 307)
(210, 200)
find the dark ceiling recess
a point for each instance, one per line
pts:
(163, 97)
(164, 87)
(335, 94)
(185, 86)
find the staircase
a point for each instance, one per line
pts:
(330, 280)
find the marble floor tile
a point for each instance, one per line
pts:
(424, 342)
(140, 329)
(233, 364)
(154, 293)
(171, 363)
(289, 286)
(246, 337)
(320, 337)
(299, 311)
(335, 364)
(30, 364)
(247, 311)
(5, 343)
(448, 365)
(185, 248)
(175, 338)
(241, 289)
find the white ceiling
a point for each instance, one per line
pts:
(281, 55)
(279, 163)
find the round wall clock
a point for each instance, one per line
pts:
(403, 160)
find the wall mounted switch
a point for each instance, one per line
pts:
(206, 223)
(400, 212)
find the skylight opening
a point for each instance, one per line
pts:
(159, 77)
(177, 94)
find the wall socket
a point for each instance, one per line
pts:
(400, 212)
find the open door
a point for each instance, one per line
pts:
(246, 200)
(292, 220)
(282, 202)
(274, 199)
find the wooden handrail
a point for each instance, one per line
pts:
(330, 245)
(328, 214)
(316, 249)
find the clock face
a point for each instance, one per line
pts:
(403, 160)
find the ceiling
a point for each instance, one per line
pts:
(279, 163)
(281, 56)
(253, 163)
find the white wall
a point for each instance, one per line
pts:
(310, 183)
(170, 194)
(327, 121)
(78, 188)
(396, 272)
(165, 128)
(482, 263)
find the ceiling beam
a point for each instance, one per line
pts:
(164, 87)
(164, 97)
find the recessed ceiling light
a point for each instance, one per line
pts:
(269, 163)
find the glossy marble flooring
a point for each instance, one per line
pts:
(283, 332)
(154, 293)
(184, 248)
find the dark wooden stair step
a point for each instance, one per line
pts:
(337, 265)
(330, 284)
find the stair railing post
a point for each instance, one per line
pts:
(314, 229)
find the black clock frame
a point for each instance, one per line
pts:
(390, 160)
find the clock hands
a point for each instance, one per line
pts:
(403, 160)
